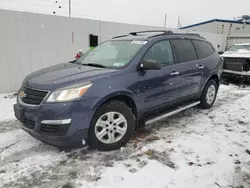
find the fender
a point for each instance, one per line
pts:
(213, 74)
(115, 94)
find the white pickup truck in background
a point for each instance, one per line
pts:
(237, 62)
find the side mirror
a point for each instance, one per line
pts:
(220, 52)
(149, 65)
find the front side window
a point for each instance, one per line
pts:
(184, 50)
(204, 49)
(160, 52)
(112, 54)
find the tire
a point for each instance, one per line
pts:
(206, 99)
(106, 135)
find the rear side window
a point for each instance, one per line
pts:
(203, 49)
(184, 50)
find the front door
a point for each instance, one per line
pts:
(158, 87)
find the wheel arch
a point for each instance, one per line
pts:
(123, 96)
(216, 78)
(204, 103)
(212, 77)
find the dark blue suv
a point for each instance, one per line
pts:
(123, 83)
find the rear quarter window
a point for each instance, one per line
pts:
(184, 50)
(204, 49)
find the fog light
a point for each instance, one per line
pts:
(56, 122)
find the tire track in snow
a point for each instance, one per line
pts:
(15, 155)
(11, 125)
(228, 95)
(79, 164)
(24, 172)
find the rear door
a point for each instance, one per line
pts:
(205, 63)
(188, 67)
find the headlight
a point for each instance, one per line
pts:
(69, 94)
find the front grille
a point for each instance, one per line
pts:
(58, 130)
(29, 124)
(33, 96)
(236, 64)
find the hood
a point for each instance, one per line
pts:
(63, 75)
(241, 53)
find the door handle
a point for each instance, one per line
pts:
(201, 67)
(175, 73)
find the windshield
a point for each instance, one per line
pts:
(112, 54)
(238, 48)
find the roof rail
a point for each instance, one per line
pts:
(119, 36)
(152, 31)
(163, 32)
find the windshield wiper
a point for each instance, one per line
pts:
(95, 65)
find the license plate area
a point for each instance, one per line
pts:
(19, 113)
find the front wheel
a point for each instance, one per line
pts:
(208, 95)
(112, 126)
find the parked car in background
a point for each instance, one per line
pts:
(123, 83)
(237, 62)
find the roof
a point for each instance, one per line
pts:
(215, 20)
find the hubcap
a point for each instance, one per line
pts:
(111, 127)
(211, 92)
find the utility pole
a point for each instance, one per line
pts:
(69, 8)
(165, 21)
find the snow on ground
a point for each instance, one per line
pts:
(6, 107)
(197, 148)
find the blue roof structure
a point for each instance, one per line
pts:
(215, 20)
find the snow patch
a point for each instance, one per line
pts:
(197, 148)
(6, 107)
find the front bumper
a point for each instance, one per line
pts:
(236, 75)
(242, 73)
(69, 134)
(62, 142)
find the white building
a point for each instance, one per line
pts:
(236, 31)
(221, 26)
(40, 41)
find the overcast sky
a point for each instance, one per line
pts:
(147, 12)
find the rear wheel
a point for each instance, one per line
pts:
(112, 126)
(209, 94)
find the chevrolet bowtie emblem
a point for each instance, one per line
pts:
(22, 94)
